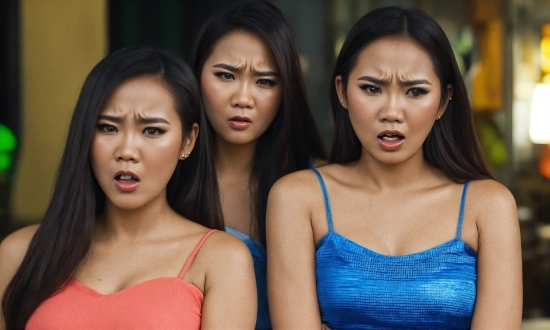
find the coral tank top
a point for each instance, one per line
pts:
(160, 303)
(359, 288)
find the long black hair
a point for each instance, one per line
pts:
(452, 145)
(65, 234)
(292, 139)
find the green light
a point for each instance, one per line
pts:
(5, 162)
(7, 146)
(7, 139)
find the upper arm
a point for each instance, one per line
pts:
(292, 291)
(499, 271)
(230, 300)
(12, 252)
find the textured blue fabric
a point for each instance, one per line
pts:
(259, 257)
(359, 288)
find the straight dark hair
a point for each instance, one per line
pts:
(293, 139)
(452, 145)
(64, 237)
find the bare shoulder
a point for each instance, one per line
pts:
(492, 202)
(14, 247)
(304, 184)
(221, 249)
(12, 251)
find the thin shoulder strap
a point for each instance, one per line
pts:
(325, 197)
(461, 213)
(194, 253)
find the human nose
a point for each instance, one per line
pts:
(127, 149)
(243, 98)
(392, 109)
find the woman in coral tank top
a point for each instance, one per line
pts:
(129, 240)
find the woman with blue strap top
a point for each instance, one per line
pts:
(246, 60)
(406, 228)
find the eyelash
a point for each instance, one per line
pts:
(418, 91)
(108, 128)
(224, 75)
(415, 91)
(262, 82)
(157, 131)
(369, 88)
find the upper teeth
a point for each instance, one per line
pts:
(390, 136)
(125, 177)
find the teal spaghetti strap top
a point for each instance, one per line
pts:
(359, 288)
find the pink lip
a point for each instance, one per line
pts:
(391, 145)
(126, 185)
(239, 122)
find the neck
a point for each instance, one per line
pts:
(146, 222)
(237, 160)
(399, 176)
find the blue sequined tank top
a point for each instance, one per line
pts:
(359, 288)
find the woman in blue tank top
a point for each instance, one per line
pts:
(406, 228)
(246, 60)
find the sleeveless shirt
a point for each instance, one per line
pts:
(359, 288)
(259, 256)
(160, 303)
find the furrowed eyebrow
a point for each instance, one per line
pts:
(110, 118)
(379, 81)
(152, 120)
(141, 120)
(235, 69)
(415, 82)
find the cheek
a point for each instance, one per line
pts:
(213, 97)
(361, 114)
(98, 152)
(271, 104)
(166, 151)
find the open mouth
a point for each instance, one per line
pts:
(126, 178)
(391, 137)
(240, 119)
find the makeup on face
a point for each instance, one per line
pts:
(240, 87)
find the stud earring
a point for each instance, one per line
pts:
(184, 155)
(450, 98)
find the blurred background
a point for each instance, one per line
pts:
(502, 46)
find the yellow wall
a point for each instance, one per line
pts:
(61, 40)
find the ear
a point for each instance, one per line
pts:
(448, 98)
(188, 142)
(341, 91)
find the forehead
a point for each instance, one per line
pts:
(400, 56)
(143, 95)
(242, 46)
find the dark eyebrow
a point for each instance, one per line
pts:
(110, 118)
(141, 120)
(385, 82)
(235, 69)
(377, 81)
(152, 120)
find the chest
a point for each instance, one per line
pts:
(362, 289)
(162, 303)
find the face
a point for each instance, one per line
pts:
(240, 88)
(137, 143)
(393, 97)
